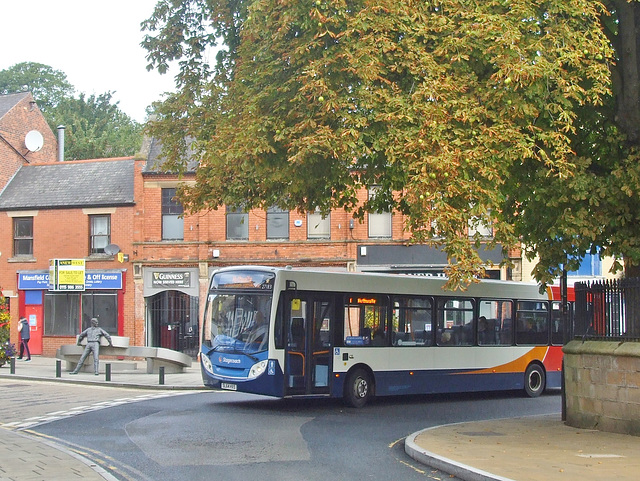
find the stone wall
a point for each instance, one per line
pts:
(602, 385)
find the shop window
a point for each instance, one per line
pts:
(237, 224)
(104, 306)
(318, 226)
(68, 314)
(277, 223)
(23, 236)
(100, 233)
(172, 220)
(61, 314)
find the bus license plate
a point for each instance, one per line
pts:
(228, 386)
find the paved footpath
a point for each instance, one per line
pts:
(527, 449)
(520, 449)
(26, 455)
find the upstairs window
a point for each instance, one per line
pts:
(100, 233)
(277, 223)
(591, 266)
(237, 224)
(481, 225)
(379, 222)
(172, 221)
(318, 226)
(23, 236)
(476, 226)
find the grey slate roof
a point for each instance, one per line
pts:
(155, 161)
(8, 101)
(95, 183)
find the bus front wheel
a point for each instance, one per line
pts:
(534, 380)
(358, 388)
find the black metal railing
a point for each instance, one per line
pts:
(608, 309)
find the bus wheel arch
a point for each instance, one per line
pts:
(359, 386)
(535, 379)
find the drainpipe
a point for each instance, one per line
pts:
(60, 143)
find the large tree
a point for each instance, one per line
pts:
(597, 208)
(95, 127)
(458, 111)
(47, 85)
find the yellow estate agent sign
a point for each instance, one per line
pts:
(66, 275)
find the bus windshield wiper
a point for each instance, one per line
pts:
(237, 351)
(230, 348)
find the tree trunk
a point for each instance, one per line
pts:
(628, 105)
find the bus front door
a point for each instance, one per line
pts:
(309, 342)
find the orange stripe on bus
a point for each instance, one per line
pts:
(517, 365)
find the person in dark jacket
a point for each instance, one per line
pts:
(25, 335)
(93, 335)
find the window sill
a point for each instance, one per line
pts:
(22, 259)
(100, 257)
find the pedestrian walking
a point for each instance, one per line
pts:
(93, 335)
(25, 335)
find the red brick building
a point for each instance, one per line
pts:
(25, 137)
(20, 123)
(68, 210)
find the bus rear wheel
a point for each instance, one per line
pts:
(534, 380)
(358, 388)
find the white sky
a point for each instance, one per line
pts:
(96, 44)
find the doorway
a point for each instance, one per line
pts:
(309, 320)
(173, 322)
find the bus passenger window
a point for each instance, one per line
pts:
(557, 333)
(364, 315)
(494, 323)
(455, 322)
(411, 322)
(532, 323)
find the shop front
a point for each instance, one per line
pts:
(56, 316)
(172, 307)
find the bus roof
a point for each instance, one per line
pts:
(308, 278)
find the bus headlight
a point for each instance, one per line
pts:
(257, 369)
(206, 363)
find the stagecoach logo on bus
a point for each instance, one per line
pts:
(226, 360)
(171, 279)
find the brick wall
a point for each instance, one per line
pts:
(602, 386)
(64, 233)
(206, 231)
(14, 126)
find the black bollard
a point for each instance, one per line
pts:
(161, 375)
(107, 372)
(12, 365)
(58, 368)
